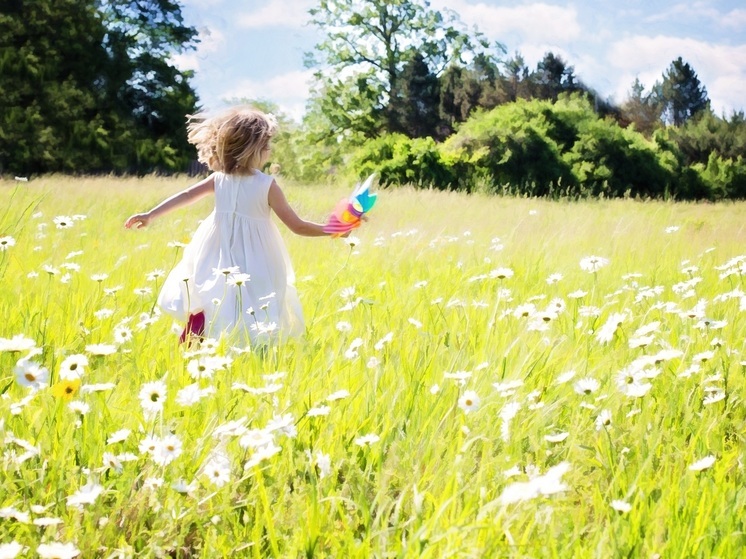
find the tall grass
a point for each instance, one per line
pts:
(489, 397)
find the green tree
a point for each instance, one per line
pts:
(51, 58)
(87, 85)
(516, 78)
(466, 88)
(681, 94)
(376, 39)
(415, 103)
(553, 76)
(641, 109)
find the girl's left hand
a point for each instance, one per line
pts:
(138, 221)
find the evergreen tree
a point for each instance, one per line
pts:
(681, 94)
(515, 82)
(553, 76)
(377, 39)
(415, 104)
(641, 109)
(86, 86)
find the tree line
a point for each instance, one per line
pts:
(400, 89)
(87, 86)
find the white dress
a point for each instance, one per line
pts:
(238, 237)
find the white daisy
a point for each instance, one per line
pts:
(621, 506)
(703, 464)
(217, 469)
(168, 449)
(6, 242)
(153, 396)
(86, 495)
(368, 439)
(57, 550)
(118, 436)
(469, 401)
(63, 221)
(31, 375)
(101, 349)
(73, 366)
(586, 386)
(593, 264)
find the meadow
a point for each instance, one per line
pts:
(480, 377)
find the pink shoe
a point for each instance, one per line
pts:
(195, 326)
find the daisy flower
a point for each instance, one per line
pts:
(586, 386)
(338, 395)
(217, 469)
(10, 550)
(318, 411)
(63, 221)
(153, 396)
(122, 334)
(86, 495)
(324, 464)
(593, 264)
(368, 439)
(237, 280)
(621, 506)
(57, 550)
(168, 449)
(118, 436)
(17, 344)
(6, 242)
(73, 366)
(702, 464)
(469, 401)
(66, 388)
(31, 375)
(101, 349)
(556, 438)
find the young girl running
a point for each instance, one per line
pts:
(235, 274)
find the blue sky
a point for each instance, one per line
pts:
(255, 49)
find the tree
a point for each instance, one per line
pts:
(415, 103)
(681, 94)
(88, 86)
(642, 109)
(376, 39)
(553, 76)
(515, 82)
(465, 88)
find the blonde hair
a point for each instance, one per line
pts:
(233, 140)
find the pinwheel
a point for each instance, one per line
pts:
(348, 213)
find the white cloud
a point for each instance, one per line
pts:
(700, 11)
(277, 13)
(211, 40)
(539, 22)
(289, 91)
(720, 68)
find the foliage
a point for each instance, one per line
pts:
(643, 110)
(397, 159)
(376, 40)
(562, 148)
(88, 86)
(680, 94)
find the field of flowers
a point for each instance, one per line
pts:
(480, 377)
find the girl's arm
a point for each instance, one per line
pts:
(287, 215)
(179, 200)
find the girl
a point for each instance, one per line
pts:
(235, 273)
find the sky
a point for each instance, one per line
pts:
(255, 49)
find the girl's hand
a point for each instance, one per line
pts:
(137, 221)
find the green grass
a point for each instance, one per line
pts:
(437, 481)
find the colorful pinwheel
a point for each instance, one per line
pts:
(349, 212)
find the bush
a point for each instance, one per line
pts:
(400, 160)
